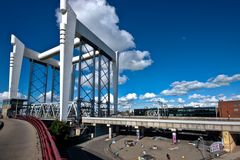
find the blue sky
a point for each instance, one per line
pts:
(192, 43)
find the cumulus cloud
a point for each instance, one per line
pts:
(127, 101)
(5, 95)
(235, 97)
(180, 100)
(225, 80)
(122, 79)
(196, 96)
(183, 87)
(134, 60)
(158, 99)
(129, 97)
(147, 96)
(101, 19)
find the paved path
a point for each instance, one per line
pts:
(95, 149)
(19, 141)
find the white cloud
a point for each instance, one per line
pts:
(212, 99)
(147, 96)
(101, 19)
(158, 99)
(134, 60)
(127, 101)
(171, 100)
(5, 95)
(180, 100)
(196, 96)
(183, 87)
(235, 97)
(129, 97)
(122, 79)
(224, 80)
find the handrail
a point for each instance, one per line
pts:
(48, 147)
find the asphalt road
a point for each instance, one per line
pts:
(19, 141)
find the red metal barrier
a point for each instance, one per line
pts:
(49, 149)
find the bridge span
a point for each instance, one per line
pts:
(179, 124)
(225, 126)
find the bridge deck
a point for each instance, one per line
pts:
(19, 140)
(181, 124)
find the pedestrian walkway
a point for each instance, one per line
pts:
(19, 141)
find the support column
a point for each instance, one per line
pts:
(142, 132)
(109, 131)
(228, 141)
(137, 132)
(16, 57)
(30, 82)
(72, 83)
(79, 100)
(117, 130)
(67, 35)
(93, 84)
(108, 90)
(99, 85)
(174, 136)
(93, 135)
(53, 83)
(115, 68)
(46, 82)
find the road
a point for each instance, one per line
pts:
(19, 141)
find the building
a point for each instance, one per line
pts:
(229, 109)
(178, 112)
(10, 107)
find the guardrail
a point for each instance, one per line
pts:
(48, 147)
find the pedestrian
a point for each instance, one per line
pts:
(168, 156)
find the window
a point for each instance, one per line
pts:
(236, 109)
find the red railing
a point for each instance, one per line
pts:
(49, 149)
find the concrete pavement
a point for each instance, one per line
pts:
(19, 141)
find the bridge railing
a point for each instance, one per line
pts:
(48, 147)
(48, 110)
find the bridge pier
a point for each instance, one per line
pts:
(174, 135)
(109, 131)
(228, 141)
(139, 132)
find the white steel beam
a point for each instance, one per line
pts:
(115, 69)
(94, 41)
(31, 54)
(55, 51)
(67, 35)
(16, 57)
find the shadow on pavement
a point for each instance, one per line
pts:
(1, 125)
(77, 153)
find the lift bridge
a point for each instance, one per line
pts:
(81, 73)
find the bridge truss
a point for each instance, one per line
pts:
(78, 83)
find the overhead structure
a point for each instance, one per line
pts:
(92, 73)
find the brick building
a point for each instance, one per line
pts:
(229, 109)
